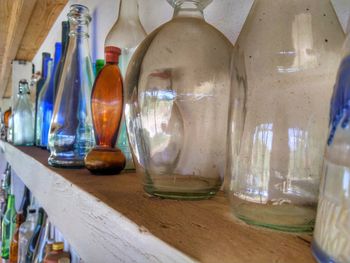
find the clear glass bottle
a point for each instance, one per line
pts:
(8, 227)
(71, 133)
(127, 33)
(14, 241)
(23, 117)
(44, 110)
(26, 231)
(33, 86)
(44, 237)
(332, 231)
(32, 244)
(107, 111)
(283, 69)
(177, 90)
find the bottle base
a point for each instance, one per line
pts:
(182, 187)
(283, 217)
(65, 163)
(23, 144)
(105, 161)
(319, 255)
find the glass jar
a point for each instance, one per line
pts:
(23, 117)
(332, 230)
(126, 34)
(177, 87)
(71, 133)
(284, 67)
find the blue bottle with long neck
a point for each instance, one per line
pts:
(47, 100)
(59, 68)
(44, 68)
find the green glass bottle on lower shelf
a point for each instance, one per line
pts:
(8, 226)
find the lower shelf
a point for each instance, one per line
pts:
(111, 219)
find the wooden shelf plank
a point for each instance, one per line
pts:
(111, 219)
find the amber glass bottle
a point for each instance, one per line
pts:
(107, 109)
(14, 242)
(7, 115)
(57, 255)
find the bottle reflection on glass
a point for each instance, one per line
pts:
(162, 128)
(107, 109)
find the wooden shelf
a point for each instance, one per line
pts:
(111, 219)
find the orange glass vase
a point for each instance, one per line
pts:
(107, 109)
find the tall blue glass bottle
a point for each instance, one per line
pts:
(41, 114)
(46, 101)
(64, 41)
(39, 85)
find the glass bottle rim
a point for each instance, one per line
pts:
(200, 3)
(79, 14)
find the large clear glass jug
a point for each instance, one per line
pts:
(284, 69)
(177, 89)
(126, 34)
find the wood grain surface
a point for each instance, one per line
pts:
(203, 231)
(24, 26)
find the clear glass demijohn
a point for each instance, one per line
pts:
(71, 133)
(177, 89)
(284, 65)
(332, 230)
(126, 34)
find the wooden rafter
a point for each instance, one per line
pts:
(28, 23)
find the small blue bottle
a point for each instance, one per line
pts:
(46, 101)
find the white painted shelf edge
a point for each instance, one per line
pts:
(96, 231)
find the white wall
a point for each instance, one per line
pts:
(226, 15)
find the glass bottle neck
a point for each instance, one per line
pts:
(79, 30)
(11, 202)
(64, 36)
(188, 9)
(46, 59)
(128, 10)
(31, 217)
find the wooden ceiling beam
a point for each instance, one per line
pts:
(18, 19)
(28, 23)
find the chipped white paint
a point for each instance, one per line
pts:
(97, 232)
